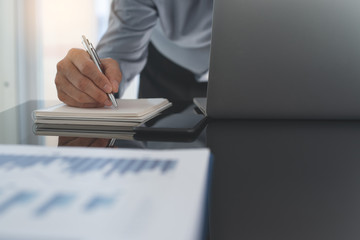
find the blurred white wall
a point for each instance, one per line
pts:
(8, 84)
(62, 23)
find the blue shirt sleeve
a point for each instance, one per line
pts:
(126, 40)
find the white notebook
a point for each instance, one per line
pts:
(131, 111)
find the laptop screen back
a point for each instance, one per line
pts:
(285, 59)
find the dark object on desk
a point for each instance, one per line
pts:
(170, 136)
(179, 123)
(182, 122)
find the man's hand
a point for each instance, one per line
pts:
(82, 142)
(79, 83)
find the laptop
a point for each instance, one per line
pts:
(284, 59)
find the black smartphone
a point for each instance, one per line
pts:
(173, 123)
(179, 120)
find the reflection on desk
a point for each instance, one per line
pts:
(274, 179)
(17, 128)
(285, 179)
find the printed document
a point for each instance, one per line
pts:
(92, 194)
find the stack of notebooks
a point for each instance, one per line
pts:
(63, 120)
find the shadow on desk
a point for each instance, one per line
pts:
(285, 179)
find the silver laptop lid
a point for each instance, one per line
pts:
(285, 59)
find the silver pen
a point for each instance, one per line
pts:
(95, 57)
(111, 143)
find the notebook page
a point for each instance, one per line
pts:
(127, 108)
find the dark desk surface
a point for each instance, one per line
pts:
(271, 179)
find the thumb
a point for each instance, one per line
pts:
(112, 72)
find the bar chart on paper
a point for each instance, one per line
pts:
(56, 202)
(75, 166)
(43, 187)
(83, 165)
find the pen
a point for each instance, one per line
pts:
(111, 142)
(95, 57)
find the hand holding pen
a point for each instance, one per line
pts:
(80, 83)
(95, 57)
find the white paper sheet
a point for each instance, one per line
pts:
(128, 109)
(82, 193)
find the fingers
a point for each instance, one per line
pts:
(79, 87)
(82, 61)
(64, 141)
(74, 103)
(100, 143)
(82, 142)
(112, 72)
(79, 82)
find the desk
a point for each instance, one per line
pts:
(271, 179)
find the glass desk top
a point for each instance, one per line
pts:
(270, 179)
